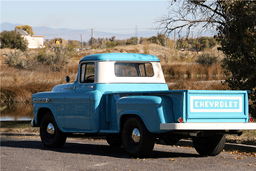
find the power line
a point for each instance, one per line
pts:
(74, 31)
(122, 29)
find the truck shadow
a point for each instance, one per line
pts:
(92, 148)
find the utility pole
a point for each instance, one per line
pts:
(174, 42)
(136, 34)
(81, 41)
(91, 36)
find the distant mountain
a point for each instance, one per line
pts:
(75, 34)
(8, 26)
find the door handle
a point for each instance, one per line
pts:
(91, 87)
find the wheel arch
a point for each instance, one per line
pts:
(125, 116)
(152, 110)
(40, 114)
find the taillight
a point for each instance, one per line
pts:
(180, 119)
(250, 119)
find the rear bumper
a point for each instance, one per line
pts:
(208, 126)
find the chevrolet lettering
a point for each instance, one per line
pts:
(124, 96)
(213, 104)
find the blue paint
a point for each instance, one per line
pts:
(217, 106)
(120, 57)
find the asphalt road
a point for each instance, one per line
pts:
(28, 153)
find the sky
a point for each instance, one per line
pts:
(107, 16)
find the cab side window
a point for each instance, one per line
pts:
(87, 73)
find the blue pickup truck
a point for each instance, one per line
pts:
(125, 97)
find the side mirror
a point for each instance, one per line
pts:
(67, 79)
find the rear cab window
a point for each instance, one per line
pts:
(132, 69)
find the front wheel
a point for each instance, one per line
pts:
(210, 146)
(50, 134)
(137, 140)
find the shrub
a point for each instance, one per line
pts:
(56, 60)
(206, 59)
(11, 40)
(112, 44)
(160, 39)
(146, 49)
(132, 41)
(14, 60)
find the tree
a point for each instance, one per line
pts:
(238, 42)
(112, 39)
(26, 28)
(182, 43)
(102, 43)
(160, 39)
(132, 41)
(205, 42)
(111, 44)
(143, 40)
(9, 39)
(234, 22)
(92, 41)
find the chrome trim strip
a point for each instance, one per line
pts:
(42, 100)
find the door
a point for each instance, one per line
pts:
(77, 100)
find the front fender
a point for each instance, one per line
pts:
(153, 110)
(46, 107)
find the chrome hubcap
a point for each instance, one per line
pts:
(50, 128)
(136, 135)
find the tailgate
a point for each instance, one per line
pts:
(217, 106)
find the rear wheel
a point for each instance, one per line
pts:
(114, 140)
(50, 134)
(137, 140)
(210, 146)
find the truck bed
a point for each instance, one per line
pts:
(181, 109)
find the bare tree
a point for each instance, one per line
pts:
(234, 22)
(189, 14)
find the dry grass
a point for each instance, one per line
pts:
(18, 85)
(248, 137)
(198, 85)
(193, 72)
(18, 110)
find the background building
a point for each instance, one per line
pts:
(33, 41)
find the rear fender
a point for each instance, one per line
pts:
(153, 110)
